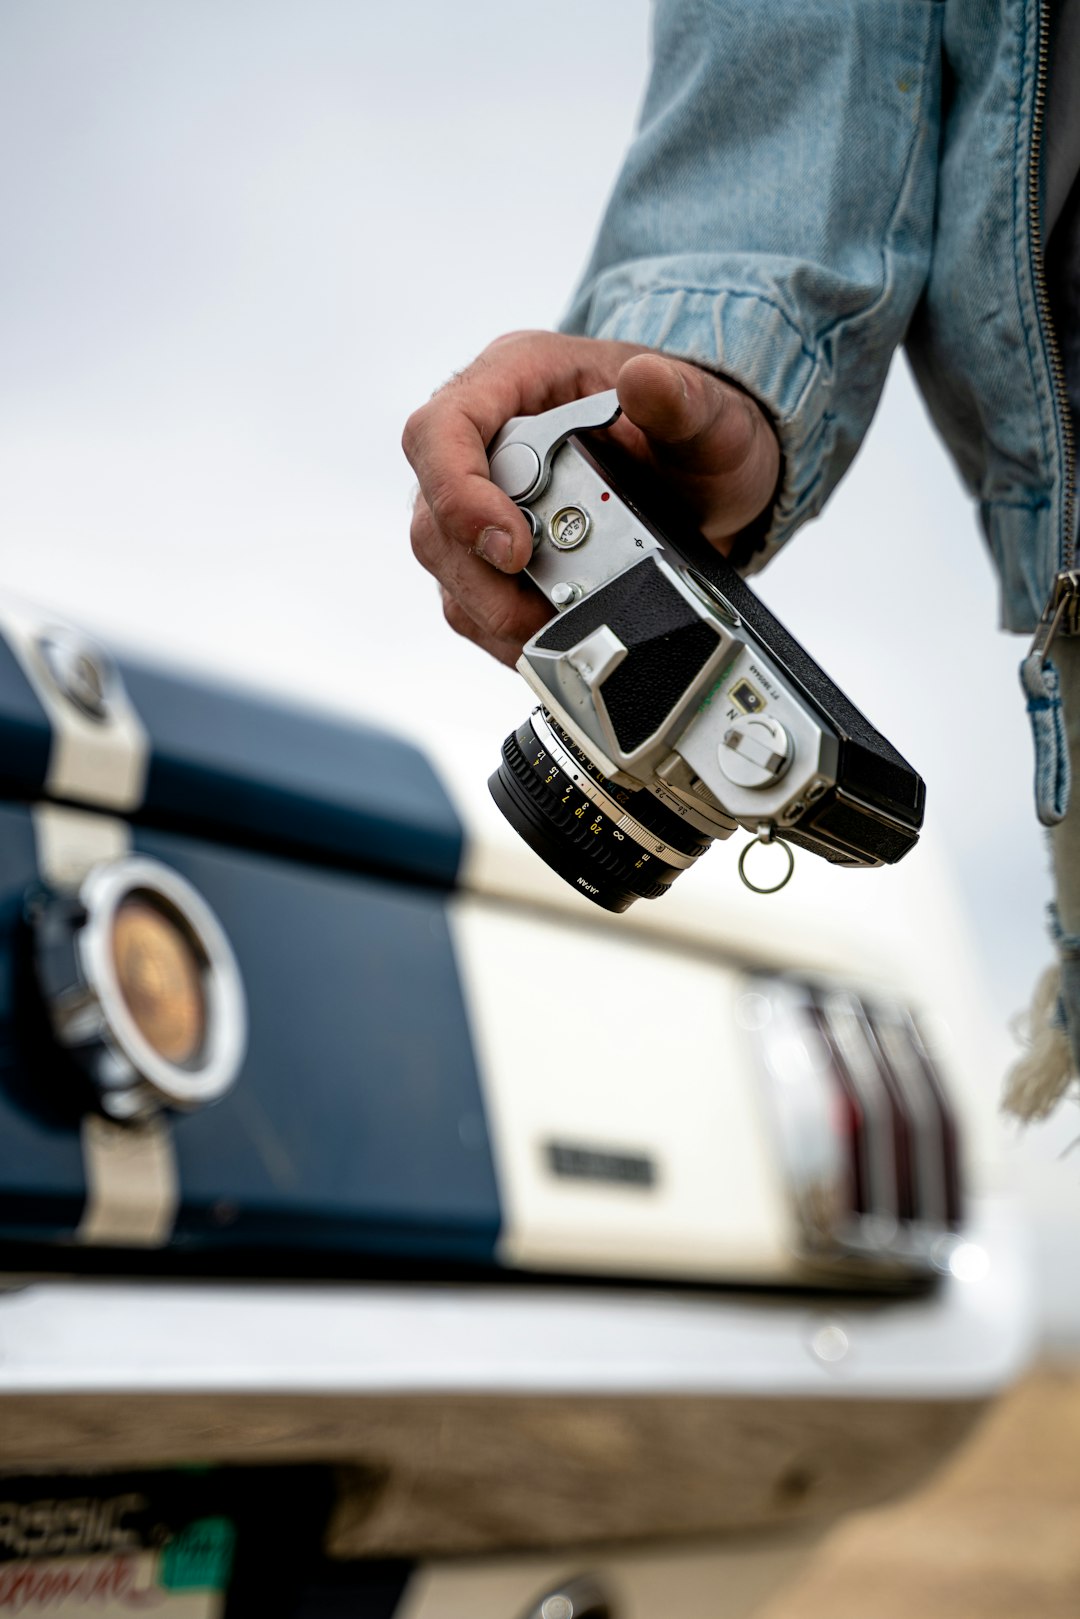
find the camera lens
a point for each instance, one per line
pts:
(611, 843)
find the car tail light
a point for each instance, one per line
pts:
(862, 1122)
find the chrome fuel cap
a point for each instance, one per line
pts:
(142, 987)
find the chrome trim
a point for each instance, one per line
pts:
(148, 1336)
(842, 1011)
(579, 1598)
(891, 1026)
(797, 1062)
(878, 1062)
(87, 1007)
(96, 757)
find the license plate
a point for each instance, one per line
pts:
(109, 1587)
(191, 1543)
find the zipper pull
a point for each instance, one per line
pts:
(1061, 613)
(1042, 688)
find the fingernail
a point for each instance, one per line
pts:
(496, 547)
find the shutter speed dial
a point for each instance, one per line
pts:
(756, 751)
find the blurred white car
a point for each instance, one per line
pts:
(521, 1241)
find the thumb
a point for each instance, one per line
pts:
(713, 437)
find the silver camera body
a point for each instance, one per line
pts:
(670, 698)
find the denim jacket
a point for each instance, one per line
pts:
(814, 182)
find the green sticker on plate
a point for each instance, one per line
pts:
(200, 1555)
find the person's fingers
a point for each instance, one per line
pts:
(708, 434)
(508, 610)
(462, 623)
(446, 440)
(710, 439)
(696, 421)
(448, 455)
(445, 443)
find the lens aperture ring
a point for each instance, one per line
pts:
(578, 840)
(564, 771)
(578, 822)
(664, 833)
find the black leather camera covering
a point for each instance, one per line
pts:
(667, 642)
(870, 770)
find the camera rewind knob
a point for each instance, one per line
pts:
(755, 752)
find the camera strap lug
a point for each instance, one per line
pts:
(766, 833)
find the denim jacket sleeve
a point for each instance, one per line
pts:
(773, 219)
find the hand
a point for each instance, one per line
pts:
(711, 439)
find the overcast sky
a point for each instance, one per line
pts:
(243, 240)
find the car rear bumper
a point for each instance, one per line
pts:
(471, 1418)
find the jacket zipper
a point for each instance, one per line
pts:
(1062, 610)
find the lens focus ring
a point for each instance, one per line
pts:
(612, 845)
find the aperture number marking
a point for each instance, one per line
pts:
(601, 801)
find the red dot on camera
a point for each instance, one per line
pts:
(606, 495)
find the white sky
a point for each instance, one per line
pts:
(242, 240)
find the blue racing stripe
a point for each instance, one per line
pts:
(233, 765)
(25, 733)
(357, 1124)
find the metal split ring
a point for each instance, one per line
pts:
(766, 833)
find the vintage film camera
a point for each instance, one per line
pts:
(674, 707)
